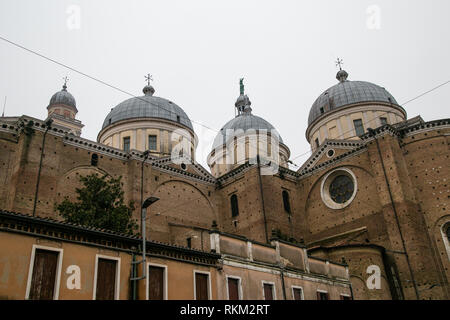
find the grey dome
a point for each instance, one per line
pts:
(346, 93)
(63, 97)
(243, 121)
(147, 106)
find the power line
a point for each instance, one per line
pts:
(106, 84)
(98, 80)
(181, 116)
(421, 95)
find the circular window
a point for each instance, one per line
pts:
(341, 189)
(183, 166)
(330, 153)
(338, 188)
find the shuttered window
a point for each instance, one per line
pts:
(156, 283)
(44, 275)
(201, 286)
(233, 289)
(298, 293)
(268, 291)
(106, 279)
(322, 295)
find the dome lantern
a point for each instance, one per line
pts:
(62, 109)
(236, 141)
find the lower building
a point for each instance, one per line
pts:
(47, 259)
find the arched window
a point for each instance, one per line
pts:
(287, 205)
(446, 237)
(94, 159)
(234, 206)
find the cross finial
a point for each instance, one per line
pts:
(148, 78)
(65, 82)
(339, 62)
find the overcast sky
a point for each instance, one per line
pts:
(198, 50)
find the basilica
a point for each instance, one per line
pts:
(364, 217)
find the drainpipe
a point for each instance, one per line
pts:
(351, 287)
(134, 263)
(133, 275)
(372, 133)
(47, 125)
(282, 283)
(276, 243)
(262, 198)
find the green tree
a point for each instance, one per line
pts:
(100, 204)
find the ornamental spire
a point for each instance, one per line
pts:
(148, 89)
(65, 83)
(342, 74)
(339, 62)
(243, 102)
(148, 78)
(241, 85)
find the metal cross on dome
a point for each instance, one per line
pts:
(148, 78)
(339, 62)
(65, 82)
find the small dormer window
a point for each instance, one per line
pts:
(152, 143)
(178, 119)
(359, 127)
(126, 144)
(322, 111)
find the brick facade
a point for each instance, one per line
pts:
(395, 220)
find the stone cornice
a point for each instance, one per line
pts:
(324, 147)
(69, 232)
(235, 173)
(332, 162)
(357, 107)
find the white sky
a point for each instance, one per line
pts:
(198, 50)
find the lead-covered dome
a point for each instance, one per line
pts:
(245, 139)
(242, 123)
(347, 93)
(148, 106)
(63, 97)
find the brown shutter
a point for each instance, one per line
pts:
(106, 279)
(297, 294)
(44, 275)
(156, 283)
(268, 291)
(322, 295)
(201, 286)
(233, 289)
